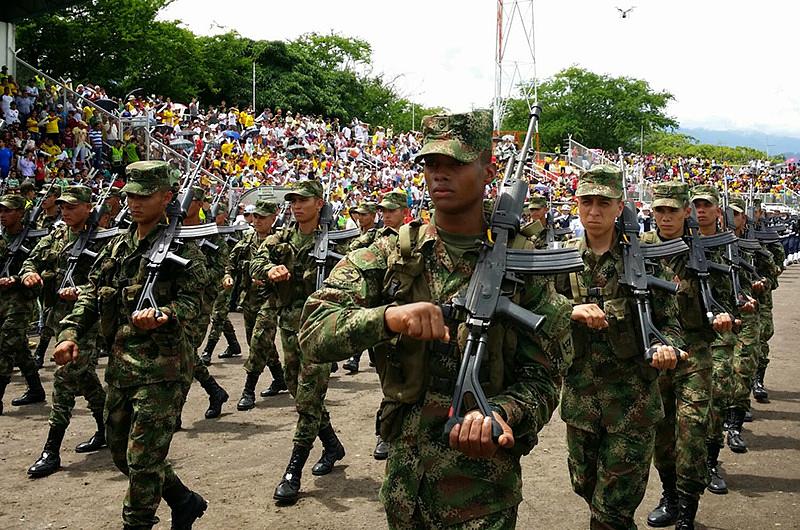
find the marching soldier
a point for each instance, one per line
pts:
(46, 267)
(388, 296)
(152, 355)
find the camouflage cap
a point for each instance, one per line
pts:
(705, 192)
(50, 190)
(604, 180)
(460, 136)
(537, 201)
(673, 194)
(115, 192)
(76, 195)
(147, 177)
(198, 193)
(13, 202)
(265, 208)
(737, 204)
(366, 207)
(305, 188)
(393, 200)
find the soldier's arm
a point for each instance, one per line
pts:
(35, 262)
(665, 311)
(346, 315)
(84, 313)
(231, 268)
(263, 259)
(189, 299)
(528, 404)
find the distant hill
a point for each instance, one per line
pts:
(775, 144)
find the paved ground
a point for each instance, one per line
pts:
(237, 460)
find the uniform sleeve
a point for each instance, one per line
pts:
(84, 312)
(231, 267)
(665, 311)
(346, 315)
(529, 402)
(263, 259)
(189, 299)
(35, 261)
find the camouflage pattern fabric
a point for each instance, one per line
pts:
(460, 136)
(722, 385)
(147, 177)
(746, 355)
(394, 199)
(706, 192)
(252, 296)
(140, 421)
(611, 399)
(364, 240)
(263, 352)
(305, 188)
(771, 270)
(673, 194)
(428, 484)
(603, 180)
(16, 305)
(219, 315)
(423, 518)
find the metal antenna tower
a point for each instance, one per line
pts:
(515, 56)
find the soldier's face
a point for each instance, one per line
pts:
(306, 209)
(263, 223)
(147, 209)
(366, 220)
(670, 220)
(739, 220)
(456, 187)
(707, 213)
(49, 202)
(598, 213)
(538, 214)
(394, 218)
(9, 217)
(75, 215)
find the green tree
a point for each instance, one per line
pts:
(599, 111)
(683, 145)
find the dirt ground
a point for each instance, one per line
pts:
(237, 460)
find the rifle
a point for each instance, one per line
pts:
(162, 249)
(323, 237)
(732, 251)
(494, 281)
(635, 276)
(17, 249)
(80, 247)
(218, 199)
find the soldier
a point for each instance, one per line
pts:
(388, 296)
(50, 216)
(260, 310)
(536, 229)
(610, 400)
(216, 261)
(16, 307)
(284, 260)
(680, 447)
(706, 201)
(152, 355)
(46, 267)
(114, 201)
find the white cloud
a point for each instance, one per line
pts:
(728, 63)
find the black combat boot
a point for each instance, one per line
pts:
(233, 349)
(206, 355)
(334, 367)
(4, 381)
(716, 484)
(50, 460)
(351, 364)
(41, 349)
(687, 510)
(186, 505)
(34, 393)
(666, 513)
(759, 391)
(735, 440)
(98, 439)
(289, 487)
(248, 399)
(381, 451)
(332, 450)
(748, 416)
(278, 384)
(216, 397)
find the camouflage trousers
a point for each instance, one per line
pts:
(14, 339)
(722, 382)
(502, 520)
(767, 331)
(262, 342)
(680, 446)
(250, 315)
(219, 315)
(308, 385)
(745, 360)
(610, 470)
(78, 378)
(140, 421)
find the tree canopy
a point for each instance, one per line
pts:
(678, 144)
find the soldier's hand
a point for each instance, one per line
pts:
(723, 322)
(279, 273)
(473, 436)
(666, 357)
(70, 294)
(420, 320)
(65, 352)
(32, 279)
(227, 282)
(7, 282)
(750, 306)
(258, 283)
(591, 315)
(147, 319)
(759, 287)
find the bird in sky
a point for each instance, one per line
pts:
(626, 12)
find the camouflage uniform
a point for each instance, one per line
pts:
(147, 370)
(49, 260)
(46, 331)
(611, 400)
(765, 304)
(428, 484)
(368, 236)
(16, 305)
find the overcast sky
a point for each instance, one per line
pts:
(726, 61)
